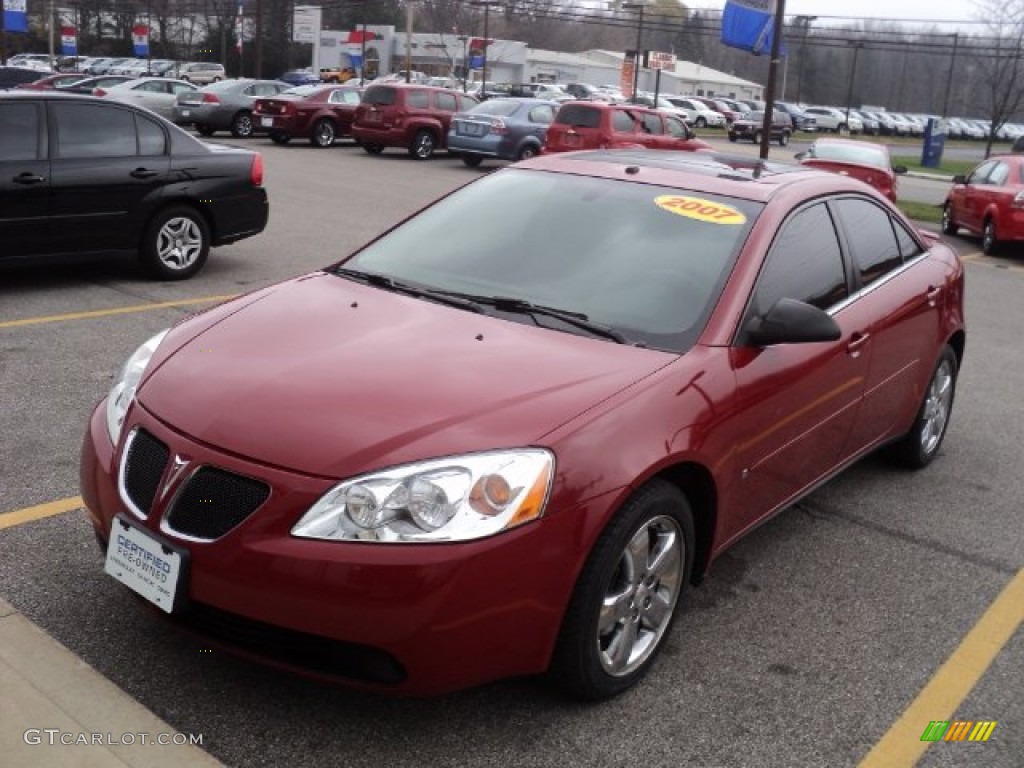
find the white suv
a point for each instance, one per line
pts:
(834, 119)
(202, 72)
(697, 114)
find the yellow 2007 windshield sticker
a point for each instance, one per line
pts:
(700, 209)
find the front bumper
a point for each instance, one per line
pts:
(412, 619)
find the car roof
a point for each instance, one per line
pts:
(729, 174)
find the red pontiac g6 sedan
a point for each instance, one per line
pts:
(445, 460)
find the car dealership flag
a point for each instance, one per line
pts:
(140, 38)
(68, 41)
(15, 17)
(747, 24)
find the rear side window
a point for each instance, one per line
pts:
(445, 101)
(382, 96)
(543, 115)
(19, 132)
(580, 116)
(417, 99)
(151, 136)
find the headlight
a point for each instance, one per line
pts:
(451, 499)
(127, 381)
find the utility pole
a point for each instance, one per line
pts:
(806, 22)
(773, 66)
(259, 42)
(3, 37)
(949, 79)
(362, 59)
(52, 13)
(408, 40)
(857, 45)
(639, 42)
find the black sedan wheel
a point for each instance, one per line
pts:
(323, 133)
(241, 126)
(627, 594)
(989, 240)
(472, 160)
(373, 149)
(176, 243)
(204, 130)
(279, 138)
(527, 152)
(422, 146)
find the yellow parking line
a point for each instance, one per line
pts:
(38, 512)
(972, 256)
(902, 746)
(115, 311)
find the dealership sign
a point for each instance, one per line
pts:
(747, 24)
(659, 60)
(15, 17)
(306, 24)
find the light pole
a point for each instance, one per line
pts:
(639, 42)
(949, 79)
(804, 21)
(856, 45)
(486, 5)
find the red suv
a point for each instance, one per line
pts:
(595, 125)
(416, 117)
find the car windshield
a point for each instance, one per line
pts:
(646, 261)
(861, 154)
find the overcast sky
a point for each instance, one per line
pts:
(923, 10)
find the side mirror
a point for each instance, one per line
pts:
(899, 169)
(959, 179)
(790, 322)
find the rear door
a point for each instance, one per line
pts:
(109, 164)
(24, 179)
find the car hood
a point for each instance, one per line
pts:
(332, 378)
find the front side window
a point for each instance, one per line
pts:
(417, 99)
(805, 263)
(999, 174)
(93, 130)
(631, 256)
(675, 128)
(382, 96)
(872, 239)
(19, 132)
(652, 124)
(980, 174)
(622, 122)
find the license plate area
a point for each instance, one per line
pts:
(267, 122)
(155, 569)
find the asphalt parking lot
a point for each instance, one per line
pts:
(819, 638)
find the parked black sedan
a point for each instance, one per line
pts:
(82, 176)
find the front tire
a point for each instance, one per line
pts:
(527, 152)
(175, 244)
(241, 126)
(784, 139)
(422, 146)
(204, 130)
(757, 137)
(920, 445)
(373, 149)
(472, 161)
(280, 138)
(627, 595)
(949, 226)
(700, 122)
(324, 133)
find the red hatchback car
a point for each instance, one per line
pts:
(989, 201)
(445, 461)
(320, 113)
(415, 117)
(596, 125)
(858, 159)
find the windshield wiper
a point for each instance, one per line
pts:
(397, 286)
(522, 306)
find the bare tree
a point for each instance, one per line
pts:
(1001, 90)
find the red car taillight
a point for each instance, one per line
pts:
(498, 127)
(210, 98)
(256, 171)
(98, 92)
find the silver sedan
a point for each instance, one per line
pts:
(158, 94)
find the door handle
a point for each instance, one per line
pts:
(932, 295)
(857, 342)
(28, 178)
(142, 173)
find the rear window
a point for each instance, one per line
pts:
(417, 99)
(381, 96)
(496, 107)
(579, 115)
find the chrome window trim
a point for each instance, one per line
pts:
(864, 291)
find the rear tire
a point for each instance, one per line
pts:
(784, 139)
(949, 226)
(472, 160)
(627, 595)
(373, 149)
(527, 152)
(921, 444)
(989, 239)
(700, 122)
(204, 130)
(175, 244)
(280, 138)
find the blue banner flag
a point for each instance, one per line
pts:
(747, 24)
(15, 17)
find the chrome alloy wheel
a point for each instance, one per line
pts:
(937, 405)
(179, 243)
(641, 596)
